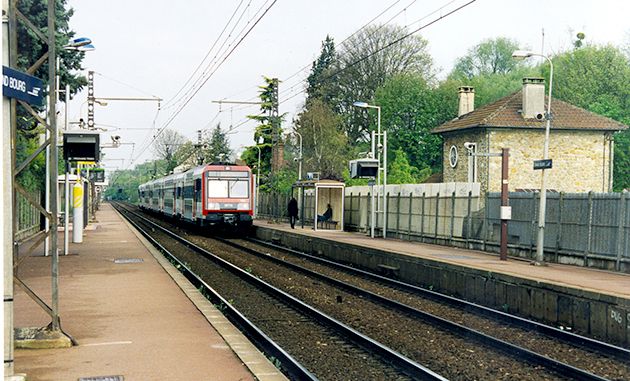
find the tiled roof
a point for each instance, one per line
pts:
(506, 112)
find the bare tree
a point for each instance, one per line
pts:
(166, 147)
(364, 62)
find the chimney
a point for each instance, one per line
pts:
(534, 98)
(466, 100)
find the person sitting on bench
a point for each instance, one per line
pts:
(327, 215)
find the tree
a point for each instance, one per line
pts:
(491, 56)
(30, 49)
(596, 78)
(128, 180)
(364, 63)
(218, 146)
(325, 146)
(169, 146)
(410, 109)
(318, 80)
(401, 172)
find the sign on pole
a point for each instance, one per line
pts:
(542, 164)
(22, 86)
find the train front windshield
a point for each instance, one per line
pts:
(228, 184)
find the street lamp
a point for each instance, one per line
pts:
(540, 241)
(376, 148)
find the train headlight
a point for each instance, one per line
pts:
(214, 206)
(243, 206)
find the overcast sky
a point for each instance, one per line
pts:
(146, 48)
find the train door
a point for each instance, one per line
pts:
(197, 198)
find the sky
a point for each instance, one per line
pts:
(149, 49)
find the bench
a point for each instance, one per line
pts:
(329, 225)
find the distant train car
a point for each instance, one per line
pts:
(209, 195)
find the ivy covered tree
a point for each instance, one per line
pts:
(268, 129)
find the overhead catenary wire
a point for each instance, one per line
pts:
(216, 61)
(192, 75)
(292, 88)
(359, 60)
(209, 64)
(174, 115)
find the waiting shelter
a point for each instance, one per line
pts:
(315, 201)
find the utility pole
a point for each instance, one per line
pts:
(198, 148)
(90, 100)
(277, 148)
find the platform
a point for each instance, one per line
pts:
(138, 318)
(590, 301)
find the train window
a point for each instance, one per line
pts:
(228, 188)
(217, 188)
(239, 189)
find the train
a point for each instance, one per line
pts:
(212, 195)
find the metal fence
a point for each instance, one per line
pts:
(28, 217)
(585, 229)
(580, 228)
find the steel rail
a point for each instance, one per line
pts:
(404, 364)
(463, 331)
(568, 337)
(263, 342)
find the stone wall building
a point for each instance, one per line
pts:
(580, 143)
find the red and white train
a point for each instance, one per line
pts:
(209, 195)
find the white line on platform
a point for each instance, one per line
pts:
(109, 343)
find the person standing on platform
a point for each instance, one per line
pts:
(292, 209)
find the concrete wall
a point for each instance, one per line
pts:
(601, 316)
(580, 159)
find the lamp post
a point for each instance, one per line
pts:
(257, 182)
(540, 241)
(376, 148)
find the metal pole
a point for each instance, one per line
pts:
(372, 211)
(540, 241)
(66, 219)
(52, 72)
(257, 182)
(6, 190)
(384, 177)
(505, 154)
(47, 175)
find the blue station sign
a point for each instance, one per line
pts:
(22, 86)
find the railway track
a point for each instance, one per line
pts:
(410, 303)
(304, 342)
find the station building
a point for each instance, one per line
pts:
(581, 143)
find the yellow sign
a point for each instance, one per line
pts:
(86, 162)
